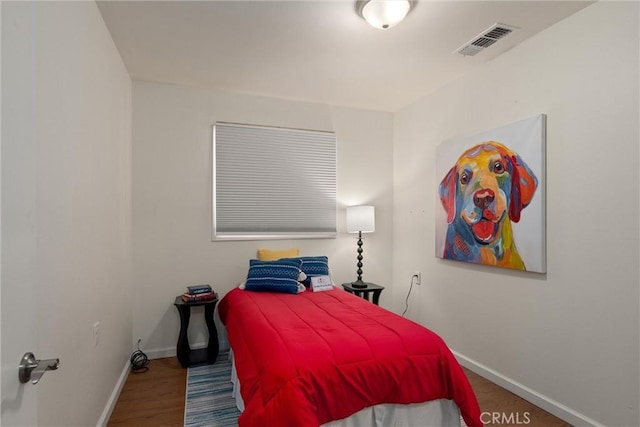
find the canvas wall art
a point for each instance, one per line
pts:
(491, 191)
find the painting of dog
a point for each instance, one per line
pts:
(484, 194)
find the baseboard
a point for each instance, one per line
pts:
(113, 399)
(159, 353)
(553, 407)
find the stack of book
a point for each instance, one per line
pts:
(199, 293)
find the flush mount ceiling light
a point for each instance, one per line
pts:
(383, 14)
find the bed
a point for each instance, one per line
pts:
(330, 358)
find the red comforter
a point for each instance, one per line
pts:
(307, 359)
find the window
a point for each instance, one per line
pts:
(273, 183)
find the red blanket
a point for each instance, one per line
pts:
(307, 359)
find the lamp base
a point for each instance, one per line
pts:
(359, 284)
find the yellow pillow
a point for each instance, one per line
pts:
(272, 255)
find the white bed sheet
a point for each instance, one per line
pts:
(441, 412)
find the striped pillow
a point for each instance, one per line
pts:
(312, 266)
(274, 276)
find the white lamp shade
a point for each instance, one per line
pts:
(385, 14)
(361, 219)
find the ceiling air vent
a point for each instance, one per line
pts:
(485, 39)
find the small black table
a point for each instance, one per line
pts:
(186, 356)
(364, 292)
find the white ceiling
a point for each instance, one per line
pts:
(315, 51)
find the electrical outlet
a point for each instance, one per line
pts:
(418, 277)
(96, 333)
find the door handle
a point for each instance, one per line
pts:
(32, 369)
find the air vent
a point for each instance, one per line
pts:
(486, 39)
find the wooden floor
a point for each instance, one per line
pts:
(502, 408)
(153, 398)
(156, 398)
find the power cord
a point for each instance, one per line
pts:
(406, 301)
(139, 360)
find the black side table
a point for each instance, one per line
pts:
(186, 356)
(376, 290)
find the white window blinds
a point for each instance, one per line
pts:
(271, 183)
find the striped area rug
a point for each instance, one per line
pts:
(209, 401)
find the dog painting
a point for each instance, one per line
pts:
(486, 192)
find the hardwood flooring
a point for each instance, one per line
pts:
(152, 398)
(156, 398)
(500, 407)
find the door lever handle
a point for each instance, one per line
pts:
(32, 369)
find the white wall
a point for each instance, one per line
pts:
(172, 199)
(66, 205)
(569, 337)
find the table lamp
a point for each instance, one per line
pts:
(360, 219)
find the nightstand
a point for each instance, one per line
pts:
(186, 356)
(376, 290)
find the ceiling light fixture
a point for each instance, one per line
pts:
(383, 14)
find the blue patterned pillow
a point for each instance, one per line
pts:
(312, 266)
(273, 276)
